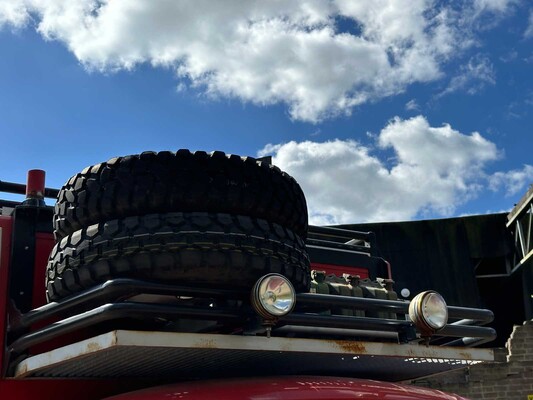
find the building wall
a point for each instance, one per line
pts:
(446, 255)
(506, 381)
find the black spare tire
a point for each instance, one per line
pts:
(182, 181)
(219, 250)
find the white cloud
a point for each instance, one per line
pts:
(473, 77)
(509, 57)
(484, 15)
(412, 105)
(513, 181)
(436, 169)
(529, 30)
(497, 6)
(13, 13)
(263, 52)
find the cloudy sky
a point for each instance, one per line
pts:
(382, 110)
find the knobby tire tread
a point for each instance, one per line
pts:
(181, 181)
(214, 249)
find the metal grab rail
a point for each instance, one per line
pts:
(113, 290)
(112, 311)
(336, 245)
(19, 188)
(119, 290)
(363, 303)
(342, 239)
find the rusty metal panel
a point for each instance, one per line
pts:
(181, 356)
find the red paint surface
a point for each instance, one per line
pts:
(35, 183)
(36, 388)
(340, 269)
(287, 388)
(6, 225)
(63, 389)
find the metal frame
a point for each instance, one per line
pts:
(120, 353)
(342, 239)
(115, 301)
(27, 221)
(337, 248)
(29, 217)
(520, 221)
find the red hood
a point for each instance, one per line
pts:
(286, 388)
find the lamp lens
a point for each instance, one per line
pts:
(435, 311)
(276, 295)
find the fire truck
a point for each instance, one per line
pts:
(195, 275)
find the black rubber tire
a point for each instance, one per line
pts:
(219, 250)
(183, 181)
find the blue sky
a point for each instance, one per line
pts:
(381, 110)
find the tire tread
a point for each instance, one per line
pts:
(215, 249)
(183, 181)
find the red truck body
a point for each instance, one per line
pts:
(38, 371)
(290, 388)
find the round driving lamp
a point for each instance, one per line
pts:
(273, 296)
(429, 312)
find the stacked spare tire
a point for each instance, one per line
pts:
(182, 217)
